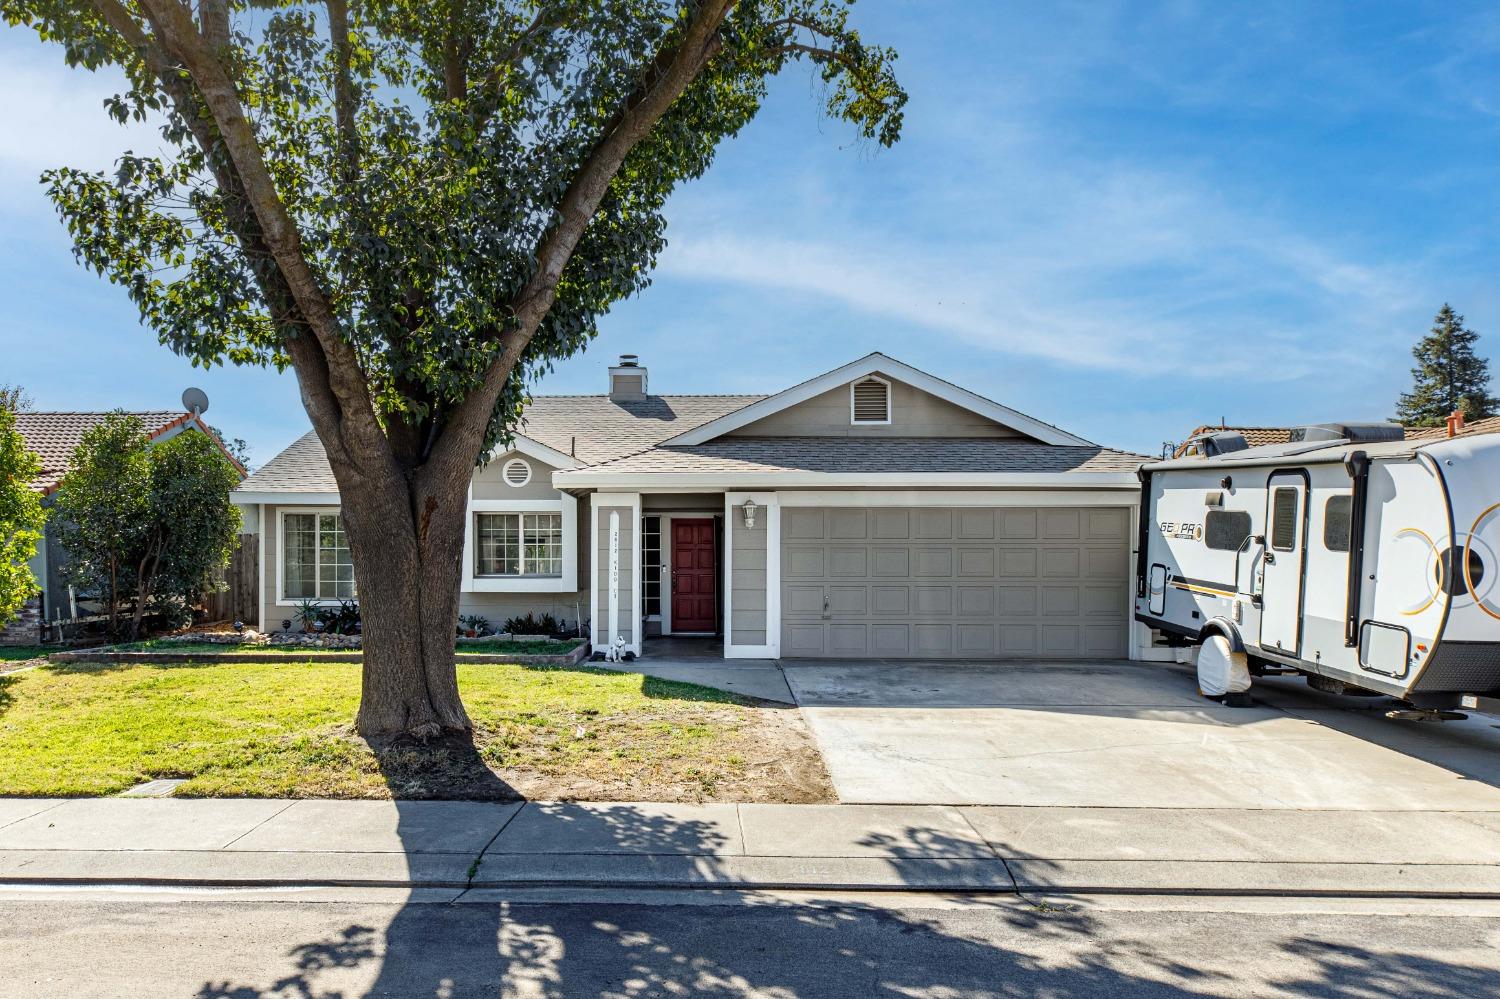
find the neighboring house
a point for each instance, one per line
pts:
(54, 437)
(874, 510)
(1488, 425)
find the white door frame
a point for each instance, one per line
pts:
(1284, 572)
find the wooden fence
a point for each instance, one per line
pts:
(241, 578)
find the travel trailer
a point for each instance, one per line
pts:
(1364, 561)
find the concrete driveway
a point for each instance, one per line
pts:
(1113, 734)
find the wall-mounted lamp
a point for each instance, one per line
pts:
(749, 511)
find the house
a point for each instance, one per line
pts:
(53, 437)
(872, 511)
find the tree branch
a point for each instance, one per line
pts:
(355, 422)
(668, 76)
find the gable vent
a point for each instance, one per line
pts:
(516, 472)
(870, 401)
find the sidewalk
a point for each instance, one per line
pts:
(242, 842)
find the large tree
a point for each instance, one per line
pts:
(1449, 376)
(418, 207)
(21, 518)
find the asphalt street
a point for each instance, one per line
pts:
(326, 944)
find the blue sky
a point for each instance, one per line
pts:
(1123, 218)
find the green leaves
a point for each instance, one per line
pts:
(423, 160)
(1449, 376)
(147, 521)
(21, 518)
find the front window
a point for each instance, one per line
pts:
(316, 560)
(518, 544)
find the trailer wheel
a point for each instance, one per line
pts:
(1221, 670)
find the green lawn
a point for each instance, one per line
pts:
(283, 730)
(489, 647)
(22, 653)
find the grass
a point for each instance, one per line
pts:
(23, 653)
(283, 730)
(493, 646)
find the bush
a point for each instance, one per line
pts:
(533, 625)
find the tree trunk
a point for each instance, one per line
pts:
(406, 537)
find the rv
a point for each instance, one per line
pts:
(1366, 562)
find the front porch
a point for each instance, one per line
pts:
(679, 576)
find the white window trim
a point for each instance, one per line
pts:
(565, 583)
(888, 402)
(505, 472)
(282, 600)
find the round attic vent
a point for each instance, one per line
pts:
(516, 472)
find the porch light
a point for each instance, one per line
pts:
(749, 511)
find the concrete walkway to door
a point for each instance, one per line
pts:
(1119, 734)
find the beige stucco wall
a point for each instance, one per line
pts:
(914, 413)
(489, 485)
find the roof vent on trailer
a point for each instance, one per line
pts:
(1217, 443)
(1355, 433)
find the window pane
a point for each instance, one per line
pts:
(1284, 519)
(543, 548)
(498, 552)
(299, 554)
(335, 563)
(1226, 530)
(1336, 517)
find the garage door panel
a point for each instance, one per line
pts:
(976, 563)
(1017, 601)
(1062, 525)
(848, 524)
(933, 600)
(890, 562)
(962, 582)
(802, 524)
(1018, 562)
(932, 640)
(888, 524)
(1060, 601)
(976, 601)
(846, 562)
(805, 563)
(934, 524)
(934, 562)
(844, 600)
(1066, 563)
(976, 524)
(892, 600)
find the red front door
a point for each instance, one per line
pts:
(694, 582)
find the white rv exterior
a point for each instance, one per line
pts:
(1371, 565)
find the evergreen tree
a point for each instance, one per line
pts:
(1448, 376)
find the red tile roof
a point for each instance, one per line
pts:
(55, 436)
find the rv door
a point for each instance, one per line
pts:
(1281, 597)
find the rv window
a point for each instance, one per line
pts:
(1336, 517)
(1284, 519)
(1226, 530)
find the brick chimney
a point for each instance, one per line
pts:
(627, 380)
(1455, 423)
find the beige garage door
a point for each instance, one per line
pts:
(954, 583)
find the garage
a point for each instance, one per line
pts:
(1022, 582)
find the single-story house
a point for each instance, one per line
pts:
(872, 511)
(53, 437)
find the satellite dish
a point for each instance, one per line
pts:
(195, 400)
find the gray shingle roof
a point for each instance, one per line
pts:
(890, 454)
(301, 468)
(605, 430)
(626, 437)
(55, 436)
